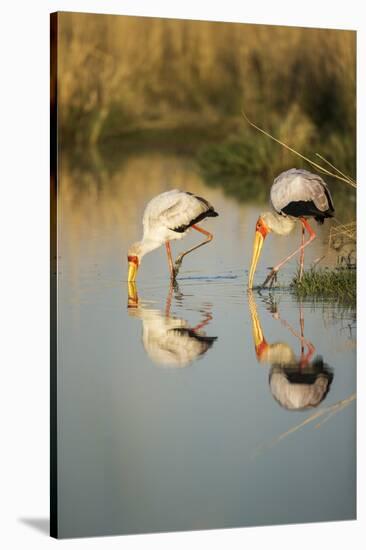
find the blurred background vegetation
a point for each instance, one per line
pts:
(132, 81)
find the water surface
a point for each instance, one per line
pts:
(198, 406)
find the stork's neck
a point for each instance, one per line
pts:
(147, 245)
(281, 225)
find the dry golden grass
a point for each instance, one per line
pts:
(343, 239)
(120, 73)
(322, 415)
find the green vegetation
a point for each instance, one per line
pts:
(338, 284)
(248, 154)
(245, 166)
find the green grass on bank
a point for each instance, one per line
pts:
(337, 284)
(247, 158)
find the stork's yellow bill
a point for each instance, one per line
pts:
(133, 265)
(261, 231)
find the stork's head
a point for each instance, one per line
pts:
(134, 259)
(262, 228)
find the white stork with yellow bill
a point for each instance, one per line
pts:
(169, 216)
(169, 340)
(296, 195)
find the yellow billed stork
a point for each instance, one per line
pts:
(169, 216)
(169, 340)
(296, 195)
(296, 383)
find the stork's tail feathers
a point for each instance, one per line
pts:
(328, 214)
(211, 213)
(209, 340)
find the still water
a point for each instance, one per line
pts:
(198, 406)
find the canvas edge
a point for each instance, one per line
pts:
(53, 275)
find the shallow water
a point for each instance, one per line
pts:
(199, 406)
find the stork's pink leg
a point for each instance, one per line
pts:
(168, 303)
(304, 359)
(302, 253)
(178, 261)
(301, 321)
(275, 270)
(170, 259)
(203, 323)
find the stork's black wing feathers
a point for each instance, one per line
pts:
(209, 213)
(330, 201)
(201, 199)
(307, 209)
(298, 192)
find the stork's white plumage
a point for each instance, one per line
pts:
(169, 216)
(169, 340)
(295, 195)
(295, 382)
(296, 389)
(298, 192)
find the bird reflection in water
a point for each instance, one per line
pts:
(169, 340)
(296, 382)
